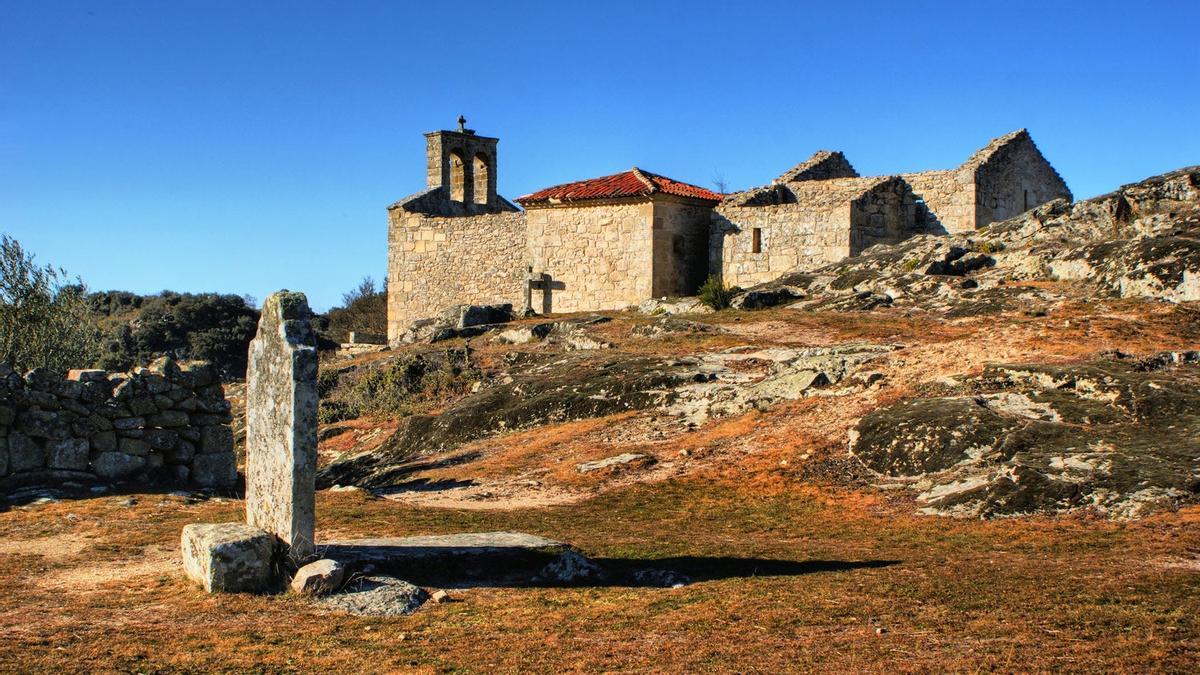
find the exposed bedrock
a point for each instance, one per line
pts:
(1119, 434)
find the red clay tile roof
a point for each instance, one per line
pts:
(632, 183)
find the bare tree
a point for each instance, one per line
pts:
(718, 180)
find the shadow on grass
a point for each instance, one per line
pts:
(434, 561)
(633, 572)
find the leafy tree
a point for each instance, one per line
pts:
(209, 326)
(45, 319)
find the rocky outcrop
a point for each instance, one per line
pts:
(1141, 240)
(463, 321)
(740, 379)
(559, 389)
(1120, 435)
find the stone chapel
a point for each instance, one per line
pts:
(611, 242)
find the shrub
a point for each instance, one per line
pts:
(363, 310)
(397, 389)
(45, 321)
(209, 326)
(715, 294)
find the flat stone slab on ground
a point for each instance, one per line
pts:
(228, 557)
(471, 559)
(376, 596)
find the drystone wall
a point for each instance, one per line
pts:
(434, 263)
(167, 424)
(598, 256)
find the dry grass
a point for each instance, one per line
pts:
(1063, 593)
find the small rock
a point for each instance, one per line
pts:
(318, 578)
(377, 596)
(618, 460)
(571, 568)
(440, 597)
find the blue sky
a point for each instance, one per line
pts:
(249, 146)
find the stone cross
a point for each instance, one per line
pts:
(281, 423)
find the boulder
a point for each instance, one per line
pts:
(228, 557)
(519, 335)
(465, 316)
(669, 306)
(319, 577)
(766, 297)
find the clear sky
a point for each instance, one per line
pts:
(248, 146)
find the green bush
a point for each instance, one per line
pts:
(715, 294)
(209, 326)
(45, 321)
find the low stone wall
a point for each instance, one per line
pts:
(165, 425)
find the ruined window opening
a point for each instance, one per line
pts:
(756, 240)
(481, 179)
(1026, 201)
(457, 177)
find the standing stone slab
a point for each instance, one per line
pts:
(281, 423)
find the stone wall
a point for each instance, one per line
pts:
(947, 199)
(681, 231)
(1013, 179)
(435, 262)
(830, 220)
(164, 424)
(790, 236)
(599, 255)
(886, 214)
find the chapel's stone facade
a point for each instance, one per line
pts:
(611, 242)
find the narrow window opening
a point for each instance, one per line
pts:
(481, 192)
(1026, 201)
(457, 177)
(756, 240)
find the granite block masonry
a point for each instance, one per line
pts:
(281, 423)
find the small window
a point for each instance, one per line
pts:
(756, 240)
(1026, 201)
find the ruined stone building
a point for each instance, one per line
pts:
(610, 242)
